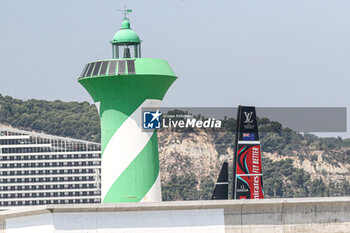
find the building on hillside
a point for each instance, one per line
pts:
(39, 169)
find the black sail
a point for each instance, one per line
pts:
(247, 165)
(221, 187)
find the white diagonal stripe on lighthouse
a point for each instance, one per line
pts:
(98, 105)
(124, 146)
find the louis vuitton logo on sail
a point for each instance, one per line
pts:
(248, 122)
(248, 117)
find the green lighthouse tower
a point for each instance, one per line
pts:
(121, 87)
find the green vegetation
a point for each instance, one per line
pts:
(187, 187)
(288, 181)
(67, 119)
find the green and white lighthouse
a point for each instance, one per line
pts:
(121, 87)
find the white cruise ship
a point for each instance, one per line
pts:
(40, 169)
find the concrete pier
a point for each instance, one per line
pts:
(230, 216)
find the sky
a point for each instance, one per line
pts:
(269, 53)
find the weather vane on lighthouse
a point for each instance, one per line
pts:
(125, 11)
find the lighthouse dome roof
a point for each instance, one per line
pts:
(126, 35)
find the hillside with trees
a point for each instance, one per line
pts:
(294, 164)
(67, 119)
